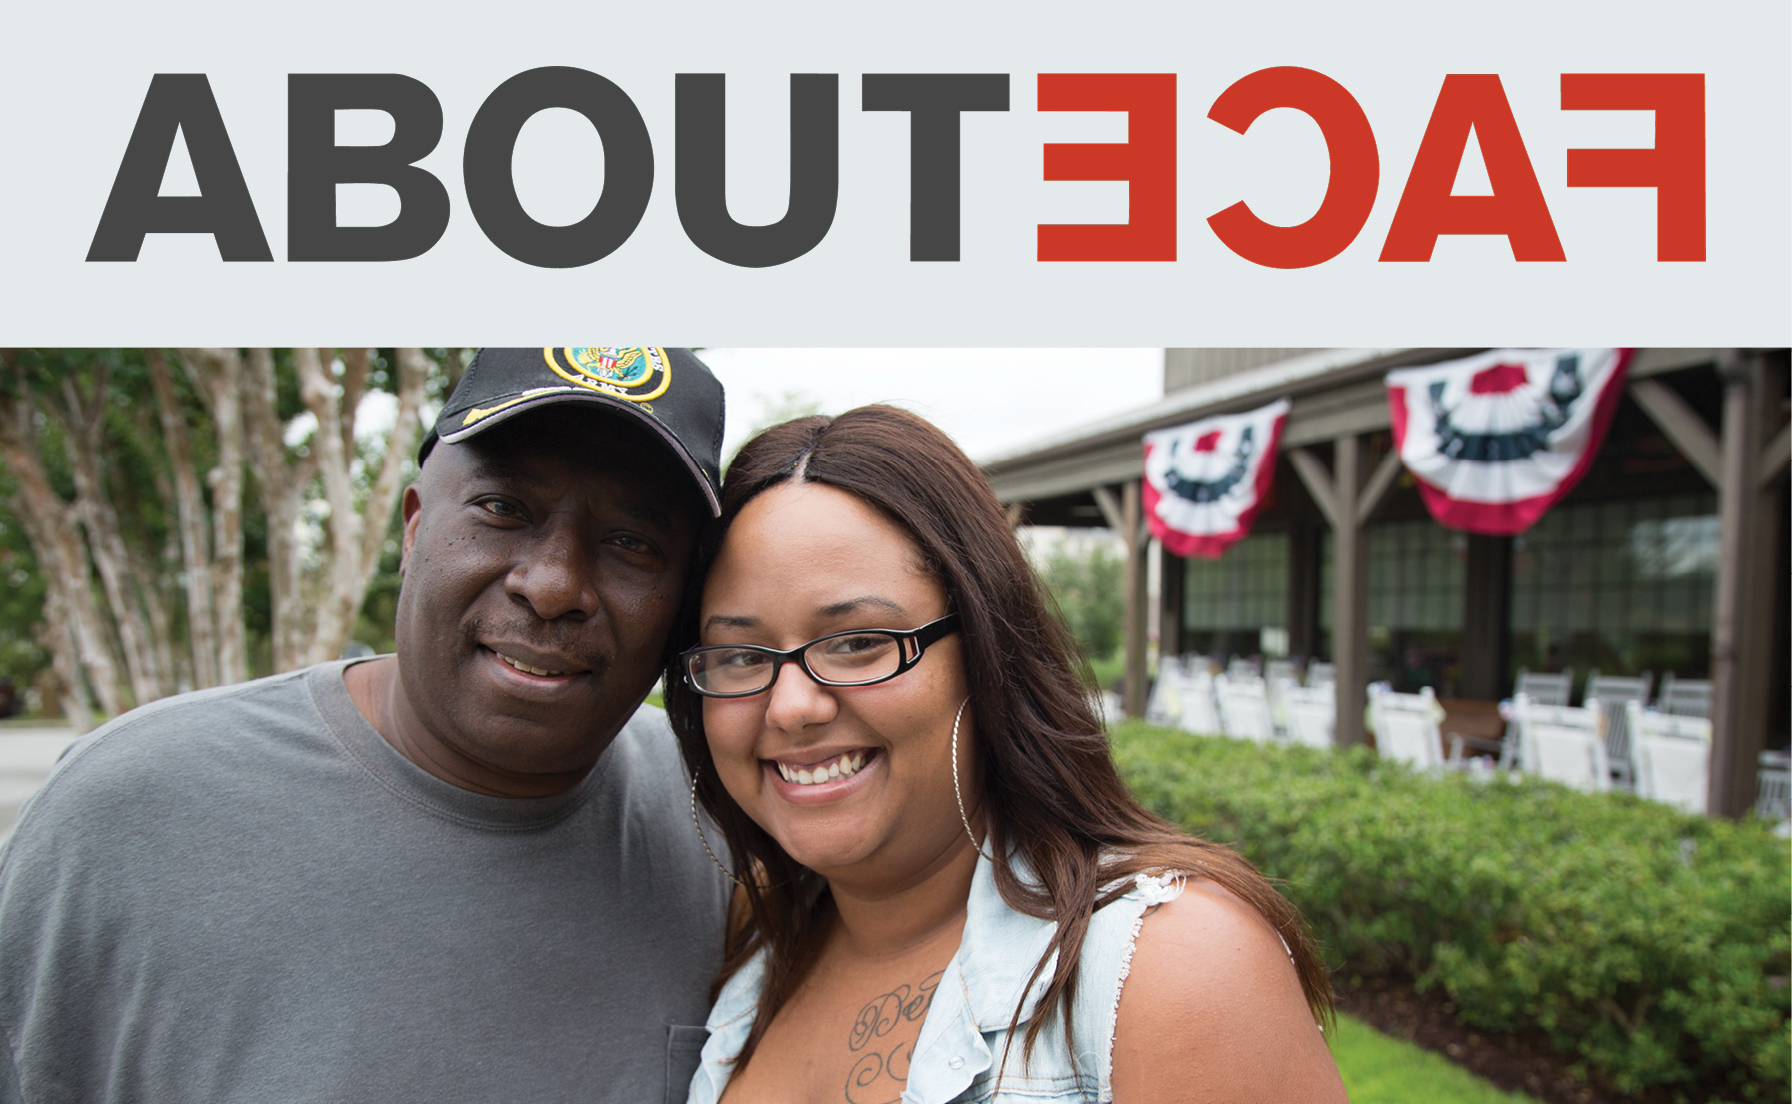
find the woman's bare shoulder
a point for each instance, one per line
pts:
(1212, 1010)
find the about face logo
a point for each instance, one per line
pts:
(1675, 167)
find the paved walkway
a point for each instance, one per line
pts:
(26, 756)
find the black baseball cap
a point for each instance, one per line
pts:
(669, 390)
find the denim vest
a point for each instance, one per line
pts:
(957, 1056)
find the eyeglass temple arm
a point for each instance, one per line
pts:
(935, 630)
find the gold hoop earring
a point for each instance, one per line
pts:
(698, 824)
(957, 794)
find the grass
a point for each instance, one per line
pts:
(1379, 1069)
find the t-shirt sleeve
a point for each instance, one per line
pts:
(21, 965)
(58, 880)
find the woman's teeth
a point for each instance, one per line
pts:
(521, 666)
(845, 766)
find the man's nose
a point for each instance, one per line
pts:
(796, 701)
(556, 575)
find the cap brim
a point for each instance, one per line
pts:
(505, 409)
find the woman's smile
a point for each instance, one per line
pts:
(822, 781)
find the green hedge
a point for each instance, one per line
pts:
(1651, 944)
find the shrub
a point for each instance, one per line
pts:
(1651, 944)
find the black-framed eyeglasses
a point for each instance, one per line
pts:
(857, 657)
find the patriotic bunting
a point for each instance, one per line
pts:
(1497, 439)
(1204, 482)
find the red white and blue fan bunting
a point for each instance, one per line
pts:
(1204, 482)
(1497, 439)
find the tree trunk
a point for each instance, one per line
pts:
(84, 418)
(84, 647)
(157, 577)
(407, 429)
(282, 483)
(218, 373)
(195, 552)
(336, 606)
(56, 636)
(315, 612)
(355, 366)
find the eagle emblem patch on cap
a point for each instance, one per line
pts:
(638, 375)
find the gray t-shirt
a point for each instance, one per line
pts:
(245, 894)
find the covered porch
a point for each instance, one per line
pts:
(1671, 554)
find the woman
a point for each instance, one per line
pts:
(946, 882)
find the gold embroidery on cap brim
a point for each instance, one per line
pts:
(477, 413)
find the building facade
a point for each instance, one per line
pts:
(1669, 556)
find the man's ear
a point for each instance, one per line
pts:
(413, 509)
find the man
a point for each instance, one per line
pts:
(461, 873)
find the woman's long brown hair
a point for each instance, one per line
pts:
(1051, 792)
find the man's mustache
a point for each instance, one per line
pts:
(552, 637)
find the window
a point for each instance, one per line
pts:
(1624, 586)
(1238, 603)
(1416, 570)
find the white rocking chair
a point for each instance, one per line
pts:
(1244, 708)
(1670, 756)
(1311, 713)
(1565, 744)
(1406, 726)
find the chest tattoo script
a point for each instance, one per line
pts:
(883, 1036)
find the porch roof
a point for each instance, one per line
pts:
(1335, 392)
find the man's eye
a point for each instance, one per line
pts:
(636, 545)
(500, 507)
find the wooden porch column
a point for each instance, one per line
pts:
(1347, 500)
(1745, 466)
(1133, 530)
(1350, 595)
(1742, 627)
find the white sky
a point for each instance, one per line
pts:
(989, 400)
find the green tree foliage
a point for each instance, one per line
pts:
(1090, 589)
(172, 519)
(21, 605)
(86, 483)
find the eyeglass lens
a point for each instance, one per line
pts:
(853, 658)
